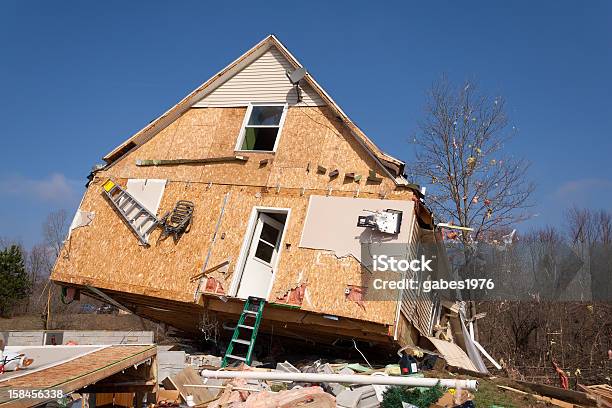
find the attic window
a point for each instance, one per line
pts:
(262, 127)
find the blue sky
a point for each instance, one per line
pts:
(79, 77)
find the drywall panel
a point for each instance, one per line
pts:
(331, 224)
(264, 80)
(148, 192)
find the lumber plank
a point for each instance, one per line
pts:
(188, 376)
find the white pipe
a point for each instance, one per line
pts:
(342, 378)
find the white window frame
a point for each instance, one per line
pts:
(245, 122)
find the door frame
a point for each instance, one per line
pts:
(246, 245)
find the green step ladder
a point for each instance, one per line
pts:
(245, 333)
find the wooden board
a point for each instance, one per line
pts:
(552, 401)
(575, 397)
(600, 392)
(189, 376)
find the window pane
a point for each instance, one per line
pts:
(266, 115)
(259, 139)
(269, 234)
(264, 252)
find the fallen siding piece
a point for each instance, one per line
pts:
(332, 388)
(286, 367)
(174, 162)
(361, 397)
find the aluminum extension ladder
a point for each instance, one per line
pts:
(245, 333)
(137, 217)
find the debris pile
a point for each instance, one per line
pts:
(318, 384)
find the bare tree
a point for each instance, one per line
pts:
(55, 229)
(39, 263)
(586, 226)
(459, 153)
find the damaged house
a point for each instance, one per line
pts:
(251, 186)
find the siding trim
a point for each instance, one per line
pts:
(263, 80)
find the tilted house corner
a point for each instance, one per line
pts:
(272, 169)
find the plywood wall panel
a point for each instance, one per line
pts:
(107, 253)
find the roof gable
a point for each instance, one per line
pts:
(263, 80)
(391, 166)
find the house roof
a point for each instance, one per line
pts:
(73, 373)
(392, 166)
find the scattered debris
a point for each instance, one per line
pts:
(602, 393)
(12, 361)
(177, 221)
(309, 397)
(360, 397)
(188, 376)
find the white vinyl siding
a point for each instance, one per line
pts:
(264, 80)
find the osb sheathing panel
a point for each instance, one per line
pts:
(107, 251)
(106, 254)
(310, 136)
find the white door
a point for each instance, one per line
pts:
(258, 267)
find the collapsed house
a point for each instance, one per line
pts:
(249, 187)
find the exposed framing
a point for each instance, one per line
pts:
(246, 244)
(245, 121)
